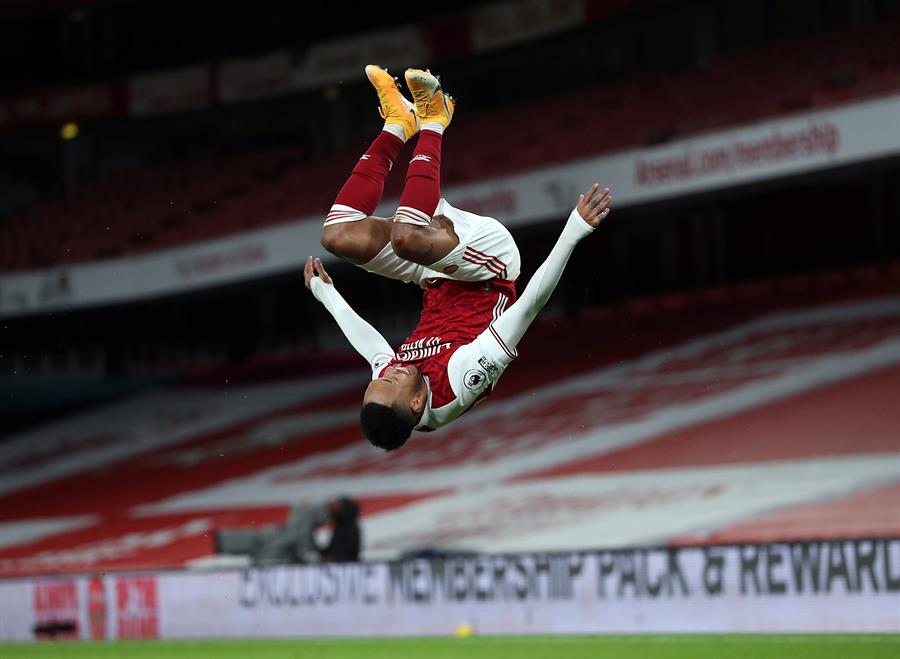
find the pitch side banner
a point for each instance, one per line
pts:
(751, 153)
(827, 586)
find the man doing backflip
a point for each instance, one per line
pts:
(467, 265)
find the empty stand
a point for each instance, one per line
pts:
(749, 419)
(176, 203)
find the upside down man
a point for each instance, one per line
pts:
(467, 264)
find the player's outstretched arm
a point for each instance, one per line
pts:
(364, 338)
(592, 208)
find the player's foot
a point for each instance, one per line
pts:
(432, 104)
(395, 109)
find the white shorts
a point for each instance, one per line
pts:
(486, 250)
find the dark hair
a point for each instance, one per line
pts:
(384, 426)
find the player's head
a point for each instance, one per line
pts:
(392, 406)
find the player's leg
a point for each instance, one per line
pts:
(426, 229)
(415, 235)
(350, 231)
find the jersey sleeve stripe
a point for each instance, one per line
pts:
(498, 308)
(498, 311)
(511, 353)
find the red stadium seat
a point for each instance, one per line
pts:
(162, 205)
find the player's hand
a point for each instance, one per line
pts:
(593, 205)
(312, 268)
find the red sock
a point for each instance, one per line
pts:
(423, 181)
(362, 191)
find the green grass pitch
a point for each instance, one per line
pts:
(761, 646)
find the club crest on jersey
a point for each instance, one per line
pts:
(475, 379)
(450, 269)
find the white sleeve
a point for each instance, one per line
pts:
(475, 366)
(364, 338)
(503, 335)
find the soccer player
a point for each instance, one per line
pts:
(467, 265)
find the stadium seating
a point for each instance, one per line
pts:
(764, 411)
(170, 204)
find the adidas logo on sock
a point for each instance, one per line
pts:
(421, 157)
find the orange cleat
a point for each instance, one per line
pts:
(432, 104)
(395, 109)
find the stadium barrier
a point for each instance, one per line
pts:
(820, 586)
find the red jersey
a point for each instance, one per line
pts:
(454, 314)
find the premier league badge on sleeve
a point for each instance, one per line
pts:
(475, 379)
